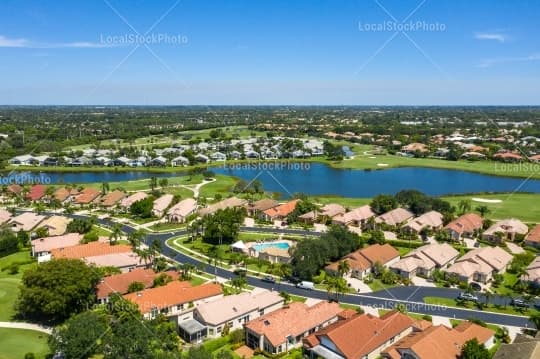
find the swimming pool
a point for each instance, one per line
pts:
(281, 245)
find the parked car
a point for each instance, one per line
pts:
(519, 303)
(306, 285)
(240, 272)
(467, 296)
(294, 280)
(268, 279)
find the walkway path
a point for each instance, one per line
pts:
(28, 326)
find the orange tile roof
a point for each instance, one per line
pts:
(111, 198)
(36, 192)
(91, 249)
(282, 210)
(87, 195)
(294, 319)
(119, 283)
(61, 194)
(534, 235)
(173, 293)
(466, 223)
(375, 332)
(14, 188)
(365, 258)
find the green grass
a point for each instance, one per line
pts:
(167, 226)
(506, 287)
(9, 283)
(519, 205)
(412, 315)
(403, 250)
(469, 305)
(252, 237)
(15, 343)
(376, 285)
(195, 281)
(222, 185)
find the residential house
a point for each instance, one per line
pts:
(507, 229)
(159, 161)
(256, 208)
(183, 209)
(86, 196)
(250, 154)
(42, 247)
(280, 212)
(533, 238)
(102, 254)
(358, 216)
(465, 226)
(284, 329)
(233, 311)
(5, 216)
(326, 213)
(202, 158)
(423, 260)
(508, 157)
(25, 221)
(362, 262)
(36, 192)
(218, 156)
(532, 273)
(180, 161)
(175, 299)
(64, 194)
(128, 201)
(432, 220)
(55, 225)
(112, 198)
(361, 336)
(119, 283)
(14, 189)
(415, 147)
(226, 203)
(23, 160)
(395, 217)
(523, 347)
(439, 342)
(275, 255)
(480, 264)
(161, 204)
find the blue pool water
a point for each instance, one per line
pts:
(261, 246)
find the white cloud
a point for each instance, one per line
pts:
(501, 60)
(25, 43)
(494, 36)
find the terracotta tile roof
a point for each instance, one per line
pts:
(36, 192)
(534, 235)
(119, 283)
(14, 188)
(226, 203)
(295, 319)
(439, 341)
(263, 204)
(357, 214)
(61, 194)
(365, 258)
(174, 293)
(86, 196)
(91, 249)
(374, 331)
(466, 223)
(282, 210)
(49, 243)
(111, 198)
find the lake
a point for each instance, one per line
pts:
(320, 179)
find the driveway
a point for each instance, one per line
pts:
(358, 285)
(422, 282)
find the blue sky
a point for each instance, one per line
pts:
(270, 52)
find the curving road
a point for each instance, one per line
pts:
(410, 296)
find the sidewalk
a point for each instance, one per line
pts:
(28, 326)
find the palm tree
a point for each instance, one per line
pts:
(116, 233)
(135, 238)
(153, 183)
(343, 268)
(483, 210)
(535, 319)
(464, 205)
(105, 188)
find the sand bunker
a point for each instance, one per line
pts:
(382, 164)
(485, 200)
(372, 157)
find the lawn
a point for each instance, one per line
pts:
(167, 226)
(17, 342)
(9, 283)
(448, 302)
(506, 287)
(252, 237)
(519, 205)
(222, 185)
(376, 285)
